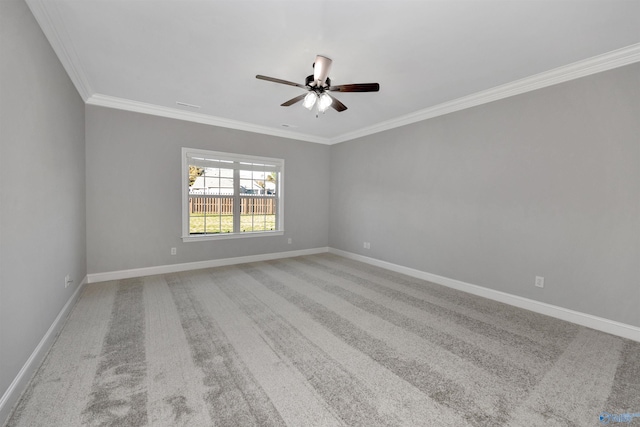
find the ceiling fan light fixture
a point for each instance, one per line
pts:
(317, 85)
(324, 103)
(309, 100)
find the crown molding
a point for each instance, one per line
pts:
(174, 113)
(63, 46)
(57, 36)
(597, 64)
(614, 59)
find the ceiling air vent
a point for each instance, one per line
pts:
(184, 104)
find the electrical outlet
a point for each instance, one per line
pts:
(67, 281)
(540, 281)
(367, 245)
(173, 251)
(289, 240)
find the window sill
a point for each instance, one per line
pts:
(227, 236)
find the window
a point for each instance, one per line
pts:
(230, 195)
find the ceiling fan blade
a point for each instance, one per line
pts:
(337, 105)
(321, 69)
(356, 87)
(293, 100)
(284, 82)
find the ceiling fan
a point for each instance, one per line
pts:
(317, 86)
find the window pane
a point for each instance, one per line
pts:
(212, 181)
(210, 215)
(196, 180)
(258, 213)
(246, 186)
(271, 183)
(259, 183)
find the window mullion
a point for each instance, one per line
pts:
(236, 200)
(278, 222)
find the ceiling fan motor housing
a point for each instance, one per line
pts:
(310, 79)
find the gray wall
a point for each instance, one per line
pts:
(42, 193)
(134, 190)
(545, 183)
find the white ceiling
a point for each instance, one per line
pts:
(430, 57)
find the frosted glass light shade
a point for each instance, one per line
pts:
(309, 100)
(324, 103)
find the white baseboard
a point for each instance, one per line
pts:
(174, 268)
(20, 382)
(601, 324)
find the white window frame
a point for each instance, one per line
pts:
(188, 153)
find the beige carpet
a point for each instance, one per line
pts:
(321, 341)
